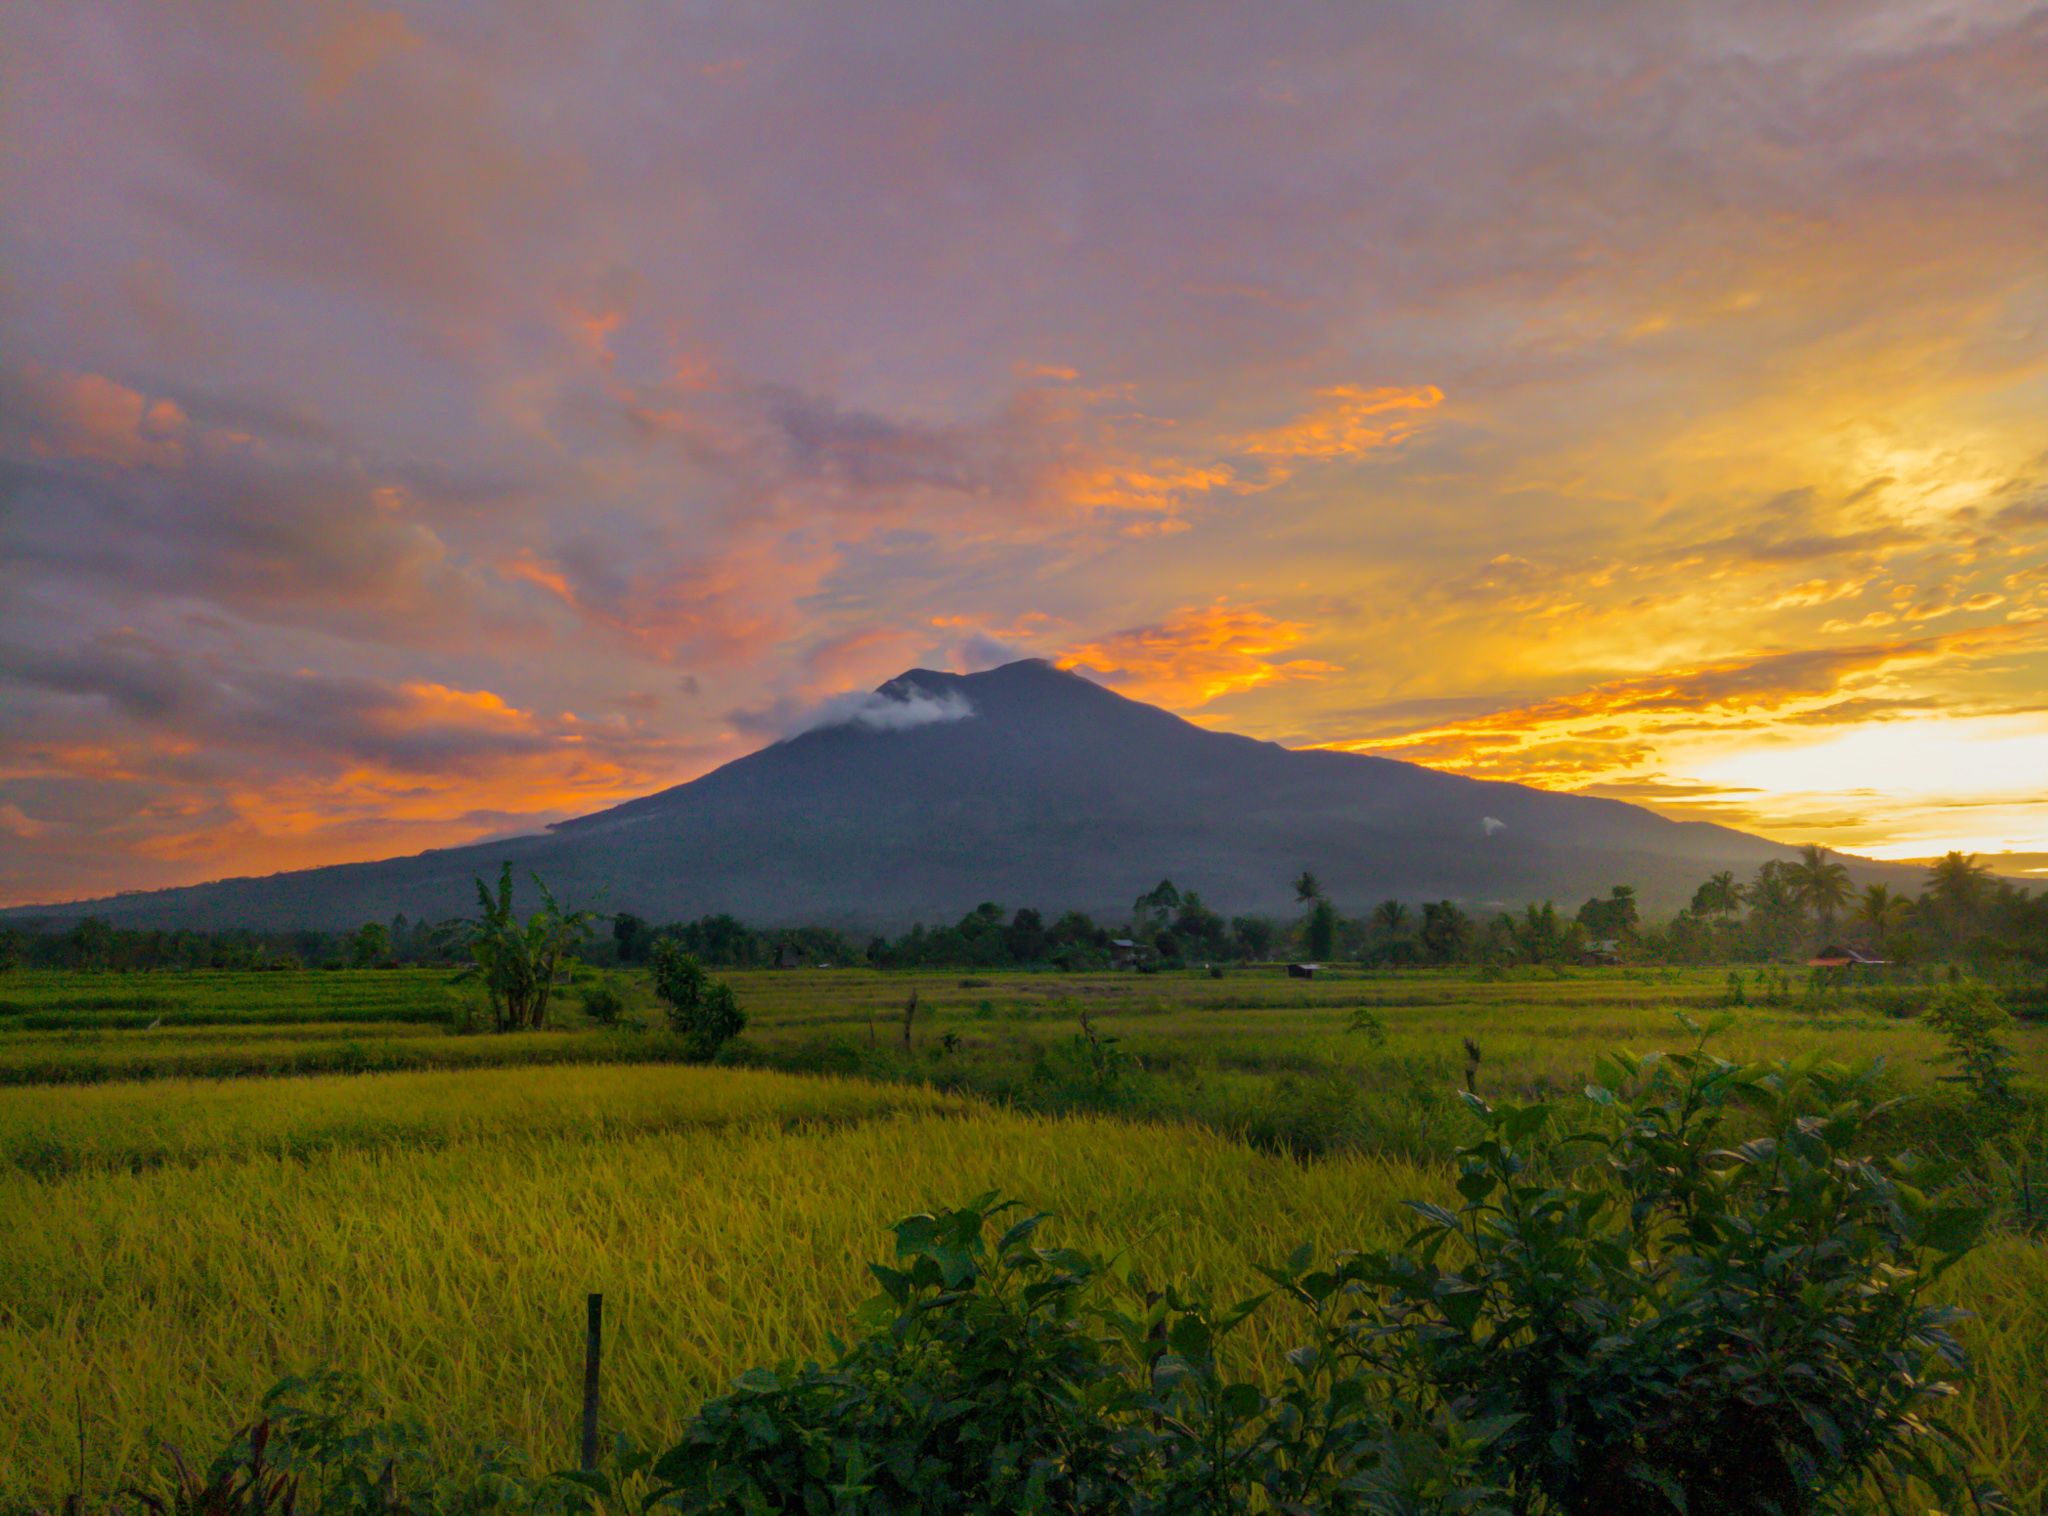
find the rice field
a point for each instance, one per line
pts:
(169, 1246)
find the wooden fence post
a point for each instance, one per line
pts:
(593, 1346)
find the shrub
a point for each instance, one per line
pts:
(603, 1001)
(1684, 1325)
(701, 1010)
(1970, 1019)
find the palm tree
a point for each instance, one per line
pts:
(1820, 885)
(1879, 912)
(1391, 917)
(1719, 896)
(1957, 884)
(1307, 887)
(1774, 910)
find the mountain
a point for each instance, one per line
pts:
(1022, 785)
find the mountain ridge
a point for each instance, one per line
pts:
(1025, 784)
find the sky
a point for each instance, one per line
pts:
(422, 424)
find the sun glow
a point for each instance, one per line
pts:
(1899, 789)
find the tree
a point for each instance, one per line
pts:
(1199, 928)
(1957, 885)
(1539, 935)
(1025, 936)
(1391, 918)
(1319, 935)
(1152, 909)
(91, 943)
(1255, 935)
(370, 945)
(631, 936)
(1719, 896)
(1307, 888)
(1615, 917)
(1880, 913)
(520, 963)
(1821, 886)
(1775, 916)
(701, 1010)
(1446, 931)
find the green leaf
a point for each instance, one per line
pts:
(1450, 1221)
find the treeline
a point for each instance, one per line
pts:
(91, 944)
(1786, 912)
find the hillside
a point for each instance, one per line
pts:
(1024, 784)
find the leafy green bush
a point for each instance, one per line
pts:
(701, 1010)
(603, 1001)
(1970, 1020)
(1688, 1325)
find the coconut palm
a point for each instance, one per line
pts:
(1958, 884)
(1719, 896)
(1307, 887)
(1391, 917)
(1775, 915)
(1820, 885)
(1880, 912)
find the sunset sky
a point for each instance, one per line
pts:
(418, 425)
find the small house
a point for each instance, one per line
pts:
(788, 956)
(1124, 953)
(1302, 970)
(1833, 957)
(1601, 952)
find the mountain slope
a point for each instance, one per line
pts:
(1024, 785)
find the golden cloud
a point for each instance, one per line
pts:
(1610, 731)
(1197, 655)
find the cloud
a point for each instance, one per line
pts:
(895, 708)
(90, 418)
(199, 765)
(1197, 655)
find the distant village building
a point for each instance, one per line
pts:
(1833, 957)
(788, 956)
(1600, 952)
(1124, 953)
(1302, 970)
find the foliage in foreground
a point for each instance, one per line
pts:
(1629, 1312)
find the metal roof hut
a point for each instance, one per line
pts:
(1833, 957)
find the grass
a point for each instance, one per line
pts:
(169, 1246)
(185, 1122)
(453, 1278)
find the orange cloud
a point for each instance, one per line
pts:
(88, 416)
(1350, 420)
(1197, 655)
(404, 767)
